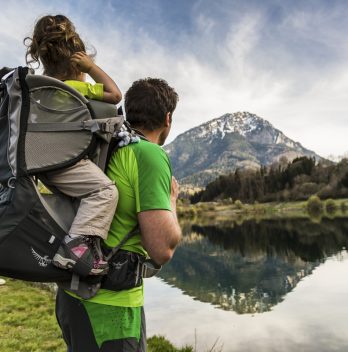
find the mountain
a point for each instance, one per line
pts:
(220, 146)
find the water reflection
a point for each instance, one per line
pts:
(249, 268)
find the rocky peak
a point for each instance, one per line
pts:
(245, 124)
(238, 140)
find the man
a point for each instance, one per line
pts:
(114, 321)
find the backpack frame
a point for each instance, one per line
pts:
(45, 125)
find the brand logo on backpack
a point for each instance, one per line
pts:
(43, 261)
(119, 265)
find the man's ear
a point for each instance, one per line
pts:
(168, 119)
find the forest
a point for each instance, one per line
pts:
(282, 181)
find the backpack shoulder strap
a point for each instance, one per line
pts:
(124, 240)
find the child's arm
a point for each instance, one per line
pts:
(112, 94)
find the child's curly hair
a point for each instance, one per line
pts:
(53, 43)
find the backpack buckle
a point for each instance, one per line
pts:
(11, 182)
(149, 268)
(106, 127)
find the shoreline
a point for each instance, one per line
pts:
(223, 210)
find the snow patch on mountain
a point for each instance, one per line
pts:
(243, 123)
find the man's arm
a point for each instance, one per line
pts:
(160, 230)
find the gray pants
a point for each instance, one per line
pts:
(97, 192)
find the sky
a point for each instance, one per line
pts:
(283, 60)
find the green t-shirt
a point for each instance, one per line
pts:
(88, 90)
(142, 174)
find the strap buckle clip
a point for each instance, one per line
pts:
(149, 269)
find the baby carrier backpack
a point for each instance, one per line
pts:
(45, 125)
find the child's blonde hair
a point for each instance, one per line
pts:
(53, 42)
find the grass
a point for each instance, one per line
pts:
(220, 211)
(28, 322)
(161, 344)
(27, 319)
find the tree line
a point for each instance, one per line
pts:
(282, 181)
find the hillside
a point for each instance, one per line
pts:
(239, 140)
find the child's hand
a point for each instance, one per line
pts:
(83, 61)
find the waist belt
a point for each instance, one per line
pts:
(126, 270)
(149, 268)
(146, 267)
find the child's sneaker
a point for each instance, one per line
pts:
(82, 249)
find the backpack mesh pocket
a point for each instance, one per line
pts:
(46, 149)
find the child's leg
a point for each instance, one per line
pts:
(99, 198)
(98, 195)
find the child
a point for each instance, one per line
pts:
(62, 53)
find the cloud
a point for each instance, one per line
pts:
(285, 62)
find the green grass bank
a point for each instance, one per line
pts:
(236, 210)
(28, 323)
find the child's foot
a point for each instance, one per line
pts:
(82, 249)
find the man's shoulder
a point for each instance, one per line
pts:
(145, 146)
(145, 150)
(145, 157)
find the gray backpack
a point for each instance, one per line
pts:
(45, 125)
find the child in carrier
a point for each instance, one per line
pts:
(62, 53)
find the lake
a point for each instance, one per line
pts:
(271, 285)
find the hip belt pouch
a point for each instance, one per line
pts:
(124, 272)
(127, 270)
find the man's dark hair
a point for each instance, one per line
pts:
(148, 101)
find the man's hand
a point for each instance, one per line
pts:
(83, 61)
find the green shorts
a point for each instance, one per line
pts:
(92, 327)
